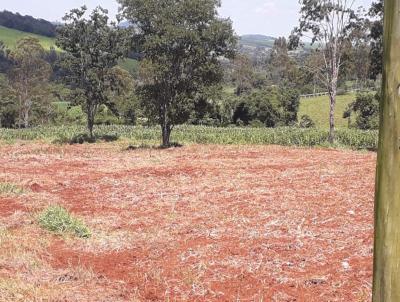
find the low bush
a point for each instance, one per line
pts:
(58, 220)
(7, 188)
(366, 111)
(306, 122)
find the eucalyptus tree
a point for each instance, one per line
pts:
(92, 46)
(376, 36)
(28, 76)
(182, 43)
(328, 23)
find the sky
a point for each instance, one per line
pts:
(269, 17)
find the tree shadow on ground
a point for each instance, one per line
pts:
(85, 138)
(146, 147)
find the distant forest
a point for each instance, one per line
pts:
(27, 24)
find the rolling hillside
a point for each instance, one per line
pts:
(318, 109)
(257, 41)
(11, 36)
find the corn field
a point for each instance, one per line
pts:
(286, 136)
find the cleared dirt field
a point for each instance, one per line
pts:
(199, 223)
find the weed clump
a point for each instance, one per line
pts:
(7, 188)
(58, 220)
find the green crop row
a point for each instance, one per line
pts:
(287, 136)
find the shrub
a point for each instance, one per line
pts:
(306, 122)
(366, 108)
(273, 106)
(58, 220)
(256, 124)
(7, 188)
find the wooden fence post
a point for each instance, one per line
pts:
(386, 285)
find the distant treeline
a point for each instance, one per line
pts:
(27, 24)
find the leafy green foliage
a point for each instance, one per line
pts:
(243, 75)
(93, 47)
(271, 106)
(329, 22)
(366, 108)
(306, 122)
(182, 43)
(29, 77)
(27, 24)
(5, 63)
(287, 136)
(279, 64)
(58, 220)
(376, 36)
(123, 105)
(8, 107)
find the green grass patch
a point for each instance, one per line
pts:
(11, 36)
(318, 109)
(7, 188)
(129, 65)
(58, 220)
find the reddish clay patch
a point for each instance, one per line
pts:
(114, 266)
(36, 188)
(9, 207)
(214, 223)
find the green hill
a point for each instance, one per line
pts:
(11, 36)
(257, 41)
(318, 109)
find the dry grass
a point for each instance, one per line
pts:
(7, 188)
(200, 223)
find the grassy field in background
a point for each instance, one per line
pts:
(129, 65)
(11, 36)
(318, 109)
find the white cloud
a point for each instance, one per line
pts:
(266, 8)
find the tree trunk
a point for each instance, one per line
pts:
(26, 118)
(91, 113)
(166, 134)
(386, 285)
(90, 127)
(332, 96)
(332, 105)
(165, 126)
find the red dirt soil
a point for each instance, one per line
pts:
(209, 223)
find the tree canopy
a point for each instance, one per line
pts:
(28, 76)
(182, 44)
(329, 23)
(93, 47)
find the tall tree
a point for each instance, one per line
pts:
(93, 47)
(279, 63)
(328, 22)
(8, 108)
(28, 76)
(5, 62)
(182, 43)
(243, 74)
(386, 286)
(376, 36)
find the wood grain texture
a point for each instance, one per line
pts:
(387, 200)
